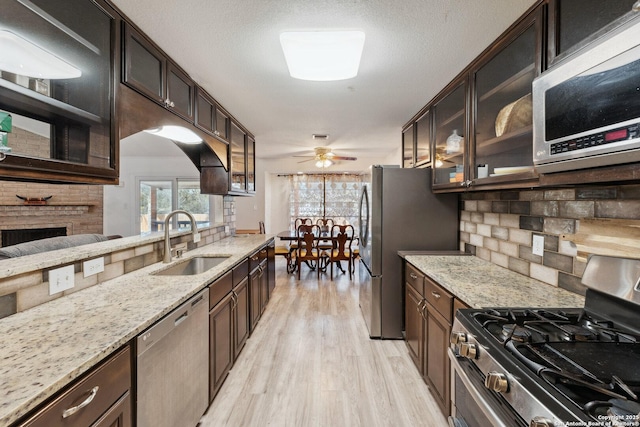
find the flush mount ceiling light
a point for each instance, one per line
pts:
(20, 56)
(322, 55)
(176, 133)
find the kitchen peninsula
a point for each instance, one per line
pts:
(48, 346)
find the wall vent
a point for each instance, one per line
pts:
(320, 136)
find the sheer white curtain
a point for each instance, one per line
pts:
(334, 196)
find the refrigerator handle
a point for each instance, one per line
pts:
(364, 225)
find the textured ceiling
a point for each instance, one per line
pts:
(413, 48)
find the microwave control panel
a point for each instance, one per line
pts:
(601, 138)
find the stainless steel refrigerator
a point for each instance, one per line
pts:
(398, 211)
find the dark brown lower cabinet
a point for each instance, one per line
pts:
(100, 398)
(241, 319)
(221, 352)
(429, 311)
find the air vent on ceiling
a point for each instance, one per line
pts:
(320, 136)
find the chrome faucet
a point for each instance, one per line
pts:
(167, 240)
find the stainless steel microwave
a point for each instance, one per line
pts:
(586, 110)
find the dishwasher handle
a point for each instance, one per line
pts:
(173, 320)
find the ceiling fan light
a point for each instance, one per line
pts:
(322, 55)
(324, 163)
(176, 133)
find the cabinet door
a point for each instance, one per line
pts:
(423, 139)
(573, 23)
(205, 111)
(119, 415)
(221, 123)
(437, 363)
(254, 294)
(408, 147)
(240, 317)
(450, 128)
(180, 90)
(62, 120)
(503, 131)
(144, 66)
(251, 164)
(220, 343)
(238, 153)
(414, 329)
(264, 286)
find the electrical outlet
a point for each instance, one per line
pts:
(196, 237)
(93, 266)
(61, 279)
(538, 245)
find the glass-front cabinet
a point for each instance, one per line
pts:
(502, 109)
(450, 134)
(408, 147)
(423, 140)
(251, 164)
(56, 83)
(150, 72)
(238, 154)
(573, 23)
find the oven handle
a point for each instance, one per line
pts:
(484, 405)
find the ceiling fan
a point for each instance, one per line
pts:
(324, 157)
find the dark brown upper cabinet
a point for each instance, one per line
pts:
(63, 124)
(423, 140)
(148, 71)
(450, 132)
(573, 24)
(238, 159)
(210, 116)
(501, 108)
(408, 147)
(480, 125)
(251, 164)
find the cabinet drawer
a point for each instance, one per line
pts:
(458, 305)
(254, 261)
(220, 288)
(414, 277)
(440, 299)
(240, 272)
(106, 384)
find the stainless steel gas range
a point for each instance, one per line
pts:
(553, 367)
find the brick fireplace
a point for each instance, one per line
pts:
(77, 209)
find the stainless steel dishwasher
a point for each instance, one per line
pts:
(173, 367)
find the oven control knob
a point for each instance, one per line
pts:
(541, 422)
(496, 381)
(457, 337)
(468, 350)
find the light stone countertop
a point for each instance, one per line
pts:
(46, 347)
(480, 283)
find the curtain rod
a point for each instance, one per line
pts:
(320, 174)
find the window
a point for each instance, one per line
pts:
(158, 197)
(334, 196)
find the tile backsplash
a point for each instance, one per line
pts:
(499, 226)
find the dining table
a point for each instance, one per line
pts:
(325, 244)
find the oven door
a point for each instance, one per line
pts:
(473, 405)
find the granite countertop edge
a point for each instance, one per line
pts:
(45, 348)
(480, 283)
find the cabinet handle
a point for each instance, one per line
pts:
(413, 276)
(423, 309)
(234, 300)
(436, 295)
(88, 400)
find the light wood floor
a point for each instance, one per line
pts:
(310, 362)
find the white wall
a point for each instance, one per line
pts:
(163, 159)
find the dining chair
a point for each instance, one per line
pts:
(342, 238)
(325, 224)
(307, 249)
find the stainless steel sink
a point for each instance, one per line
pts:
(191, 266)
